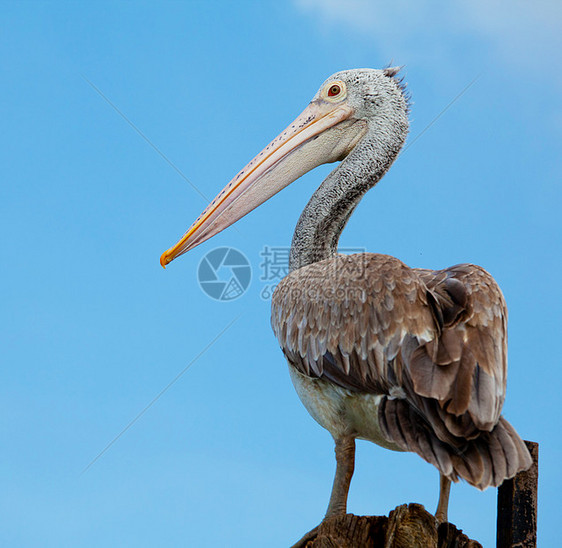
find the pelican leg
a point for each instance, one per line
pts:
(443, 504)
(345, 464)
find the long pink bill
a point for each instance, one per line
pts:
(305, 144)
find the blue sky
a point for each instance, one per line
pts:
(93, 329)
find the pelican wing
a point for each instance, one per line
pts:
(465, 367)
(346, 319)
(433, 342)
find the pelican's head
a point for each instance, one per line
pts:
(348, 106)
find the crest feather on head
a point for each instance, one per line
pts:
(392, 72)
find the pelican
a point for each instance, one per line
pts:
(408, 358)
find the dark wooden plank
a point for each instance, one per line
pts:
(517, 506)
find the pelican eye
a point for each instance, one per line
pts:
(334, 90)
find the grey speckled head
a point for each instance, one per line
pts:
(371, 90)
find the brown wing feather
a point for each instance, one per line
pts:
(369, 323)
(469, 359)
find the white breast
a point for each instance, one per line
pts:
(341, 411)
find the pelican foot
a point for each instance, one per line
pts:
(441, 517)
(311, 535)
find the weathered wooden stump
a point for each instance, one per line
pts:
(407, 526)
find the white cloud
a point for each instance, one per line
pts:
(365, 15)
(521, 33)
(528, 32)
